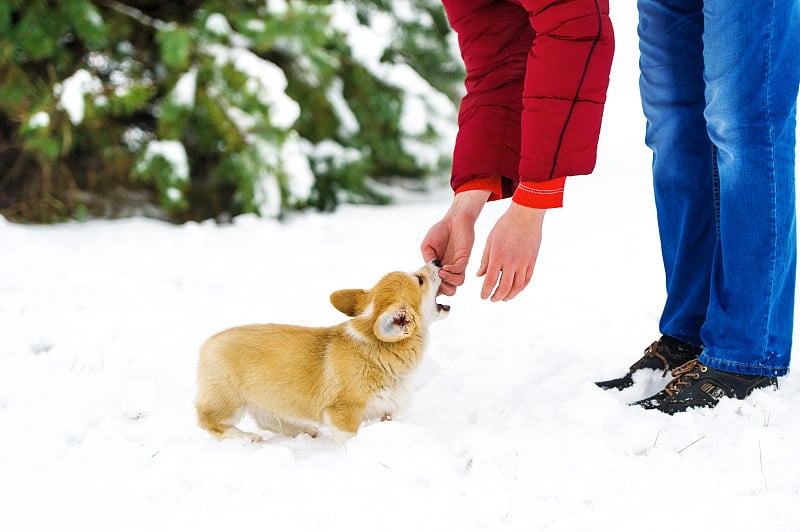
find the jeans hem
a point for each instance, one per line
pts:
(741, 368)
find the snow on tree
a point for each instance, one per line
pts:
(198, 109)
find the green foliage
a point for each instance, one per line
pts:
(165, 165)
(175, 47)
(214, 108)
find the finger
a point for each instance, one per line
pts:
(529, 274)
(520, 282)
(482, 269)
(459, 266)
(428, 252)
(489, 282)
(446, 289)
(484, 262)
(504, 286)
(455, 279)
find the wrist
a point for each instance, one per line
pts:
(469, 203)
(524, 214)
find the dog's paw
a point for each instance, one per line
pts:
(387, 416)
(235, 432)
(312, 432)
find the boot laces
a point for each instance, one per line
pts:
(689, 370)
(651, 351)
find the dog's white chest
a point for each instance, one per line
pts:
(387, 401)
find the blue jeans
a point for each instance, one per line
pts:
(719, 83)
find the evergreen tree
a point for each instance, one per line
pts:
(198, 109)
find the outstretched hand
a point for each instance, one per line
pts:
(511, 252)
(450, 240)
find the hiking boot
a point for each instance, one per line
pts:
(665, 354)
(698, 386)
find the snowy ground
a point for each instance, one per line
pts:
(100, 324)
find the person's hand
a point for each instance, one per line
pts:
(511, 252)
(450, 240)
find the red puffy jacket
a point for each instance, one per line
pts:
(537, 76)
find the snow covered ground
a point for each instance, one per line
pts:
(100, 324)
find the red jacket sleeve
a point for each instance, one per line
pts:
(537, 75)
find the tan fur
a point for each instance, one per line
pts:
(294, 379)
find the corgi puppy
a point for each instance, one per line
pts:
(294, 379)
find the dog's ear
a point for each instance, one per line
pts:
(395, 324)
(351, 301)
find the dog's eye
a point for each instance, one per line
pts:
(421, 279)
